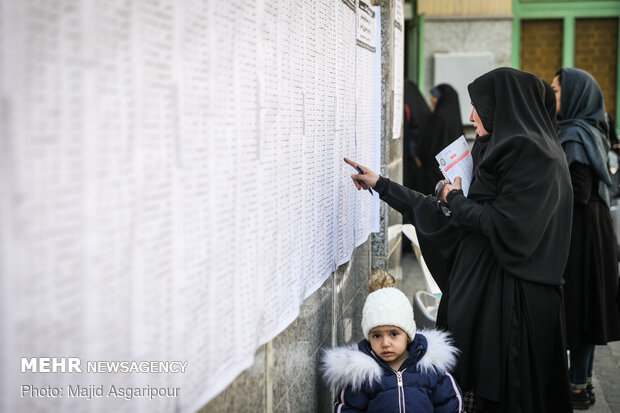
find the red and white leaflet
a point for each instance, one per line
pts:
(455, 160)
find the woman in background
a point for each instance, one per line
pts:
(415, 116)
(591, 273)
(443, 127)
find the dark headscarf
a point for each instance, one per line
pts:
(447, 111)
(583, 126)
(487, 107)
(522, 175)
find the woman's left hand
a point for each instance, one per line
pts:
(449, 187)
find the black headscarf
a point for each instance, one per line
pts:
(522, 175)
(583, 126)
(487, 105)
(445, 123)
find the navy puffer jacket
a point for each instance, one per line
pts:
(365, 383)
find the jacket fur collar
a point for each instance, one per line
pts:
(348, 366)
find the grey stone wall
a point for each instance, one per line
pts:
(467, 34)
(386, 253)
(285, 376)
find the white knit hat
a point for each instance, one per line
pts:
(388, 307)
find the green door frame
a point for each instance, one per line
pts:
(420, 20)
(415, 54)
(569, 11)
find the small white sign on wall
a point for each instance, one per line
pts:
(458, 70)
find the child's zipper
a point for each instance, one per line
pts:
(401, 392)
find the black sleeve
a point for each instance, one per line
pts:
(468, 213)
(436, 237)
(581, 178)
(399, 197)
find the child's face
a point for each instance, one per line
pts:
(390, 344)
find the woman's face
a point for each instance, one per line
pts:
(433, 101)
(480, 130)
(557, 88)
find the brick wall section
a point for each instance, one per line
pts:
(541, 47)
(596, 51)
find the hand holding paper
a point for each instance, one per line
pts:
(455, 161)
(449, 187)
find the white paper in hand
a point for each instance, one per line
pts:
(455, 160)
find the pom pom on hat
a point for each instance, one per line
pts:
(388, 307)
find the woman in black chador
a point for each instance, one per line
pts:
(444, 125)
(416, 114)
(591, 274)
(500, 255)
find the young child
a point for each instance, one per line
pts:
(394, 369)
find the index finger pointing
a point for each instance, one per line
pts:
(350, 162)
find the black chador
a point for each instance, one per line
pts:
(416, 113)
(444, 126)
(499, 257)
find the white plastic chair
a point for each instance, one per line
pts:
(425, 309)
